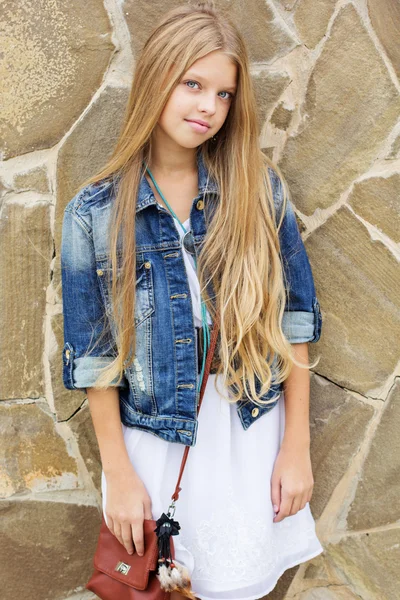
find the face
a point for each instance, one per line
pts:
(204, 93)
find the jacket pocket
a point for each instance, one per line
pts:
(144, 304)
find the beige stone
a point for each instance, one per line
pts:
(281, 117)
(264, 36)
(46, 549)
(337, 425)
(377, 200)
(311, 23)
(35, 179)
(26, 248)
(33, 457)
(358, 284)
(377, 498)
(82, 426)
(370, 563)
(268, 89)
(350, 108)
(385, 18)
(54, 55)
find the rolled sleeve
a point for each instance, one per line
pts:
(88, 344)
(302, 319)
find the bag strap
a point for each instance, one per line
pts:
(209, 358)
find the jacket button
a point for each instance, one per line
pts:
(147, 265)
(100, 272)
(255, 411)
(200, 205)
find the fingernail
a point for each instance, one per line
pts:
(275, 508)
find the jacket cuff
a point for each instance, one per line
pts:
(303, 326)
(81, 373)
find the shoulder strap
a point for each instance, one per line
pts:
(209, 358)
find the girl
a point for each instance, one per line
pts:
(188, 218)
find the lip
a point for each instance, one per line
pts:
(198, 125)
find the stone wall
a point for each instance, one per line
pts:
(326, 74)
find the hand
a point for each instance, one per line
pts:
(127, 505)
(292, 480)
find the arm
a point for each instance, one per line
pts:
(297, 402)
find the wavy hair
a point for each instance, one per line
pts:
(241, 251)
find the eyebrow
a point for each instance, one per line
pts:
(196, 76)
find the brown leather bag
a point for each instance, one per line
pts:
(118, 575)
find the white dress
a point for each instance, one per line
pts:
(228, 540)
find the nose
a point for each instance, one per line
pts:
(207, 103)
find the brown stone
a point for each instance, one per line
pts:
(25, 255)
(46, 548)
(349, 89)
(370, 563)
(33, 456)
(35, 179)
(281, 117)
(264, 36)
(53, 58)
(337, 425)
(377, 200)
(358, 283)
(311, 23)
(268, 88)
(82, 426)
(377, 498)
(385, 18)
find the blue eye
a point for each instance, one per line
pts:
(192, 81)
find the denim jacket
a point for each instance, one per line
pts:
(158, 392)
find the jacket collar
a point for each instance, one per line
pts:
(206, 184)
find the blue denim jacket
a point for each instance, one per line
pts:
(159, 391)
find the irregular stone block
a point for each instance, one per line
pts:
(382, 192)
(337, 426)
(46, 548)
(358, 283)
(349, 89)
(376, 502)
(53, 58)
(33, 456)
(35, 179)
(26, 249)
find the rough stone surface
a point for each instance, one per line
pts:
(46, 548)
(82, 426)
(53, 58)
(33, 457)
(370, 562)
(310, 23)
(377, 498)
(268, 88)
(385, 17)
(358, 283)
(337, 425)
(349, 89)
(35, 179)
(26, 248)
(265, 36)
(384, 193)
(281, 117)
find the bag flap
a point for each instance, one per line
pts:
(112, 558)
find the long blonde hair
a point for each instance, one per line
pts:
(241, 252)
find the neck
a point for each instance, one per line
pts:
(168, 159)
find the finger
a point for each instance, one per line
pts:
(286, 503)
(117, 532)
(126, 534)
(295, 505)
(276, 493)
(109, 523)
(147, 511)
(137, 534)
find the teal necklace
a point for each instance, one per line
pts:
(205, 326)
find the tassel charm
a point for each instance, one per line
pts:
(172, 575)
